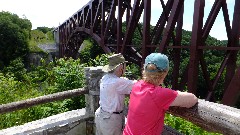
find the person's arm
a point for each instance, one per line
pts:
(124, 85)
(185, 99)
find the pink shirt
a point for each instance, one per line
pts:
(147, 107)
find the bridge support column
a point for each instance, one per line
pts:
(93, 76)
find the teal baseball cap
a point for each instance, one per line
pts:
(159, 60)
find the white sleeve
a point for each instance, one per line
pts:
(124, 85)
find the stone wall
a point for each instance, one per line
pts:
(68, 123)
(51, 52)
(35, 58)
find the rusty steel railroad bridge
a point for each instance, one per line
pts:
(102, 20)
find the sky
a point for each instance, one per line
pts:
(52, 13)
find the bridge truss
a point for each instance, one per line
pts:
(103, 21)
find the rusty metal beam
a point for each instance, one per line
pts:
(211, 19)
(110, 18)
(195, 41)
(177, 52)
(146, 28)
(128, 11)
(232, 93)
(87, 22)
(177, 6)
(226, 19)
(131, 26)
(205, 73)
(119, 26)
(218, 75)
(158, 29)
(231, 86)
(103, 21)
(205, 32)
(96, 18)
(231, 65)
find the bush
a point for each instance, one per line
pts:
(65, 74)
(185, 127)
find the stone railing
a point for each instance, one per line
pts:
(210, 116)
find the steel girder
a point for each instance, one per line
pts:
(102, 20)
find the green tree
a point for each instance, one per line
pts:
(50, 35)
(38, 36)
(90, 51)
(14, 37)
(44, 29)
(16, 67)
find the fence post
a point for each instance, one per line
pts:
(93, 76)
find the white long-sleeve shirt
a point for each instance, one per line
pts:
(112, 92)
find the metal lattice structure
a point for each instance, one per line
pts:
(103, 21)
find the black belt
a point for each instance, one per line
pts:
(117, 112)
(114, 112)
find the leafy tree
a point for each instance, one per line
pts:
(44, 29)
(14, 37)
(50, 36)
(137, 36)
(38, 36)
(17, 68)
(90, 51)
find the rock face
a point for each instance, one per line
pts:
(34, 58)
(51, 50)
(49, 47)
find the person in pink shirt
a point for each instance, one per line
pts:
(149, 100)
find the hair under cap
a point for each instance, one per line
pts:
(159, 60)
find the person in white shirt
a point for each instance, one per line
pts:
(109, 116)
